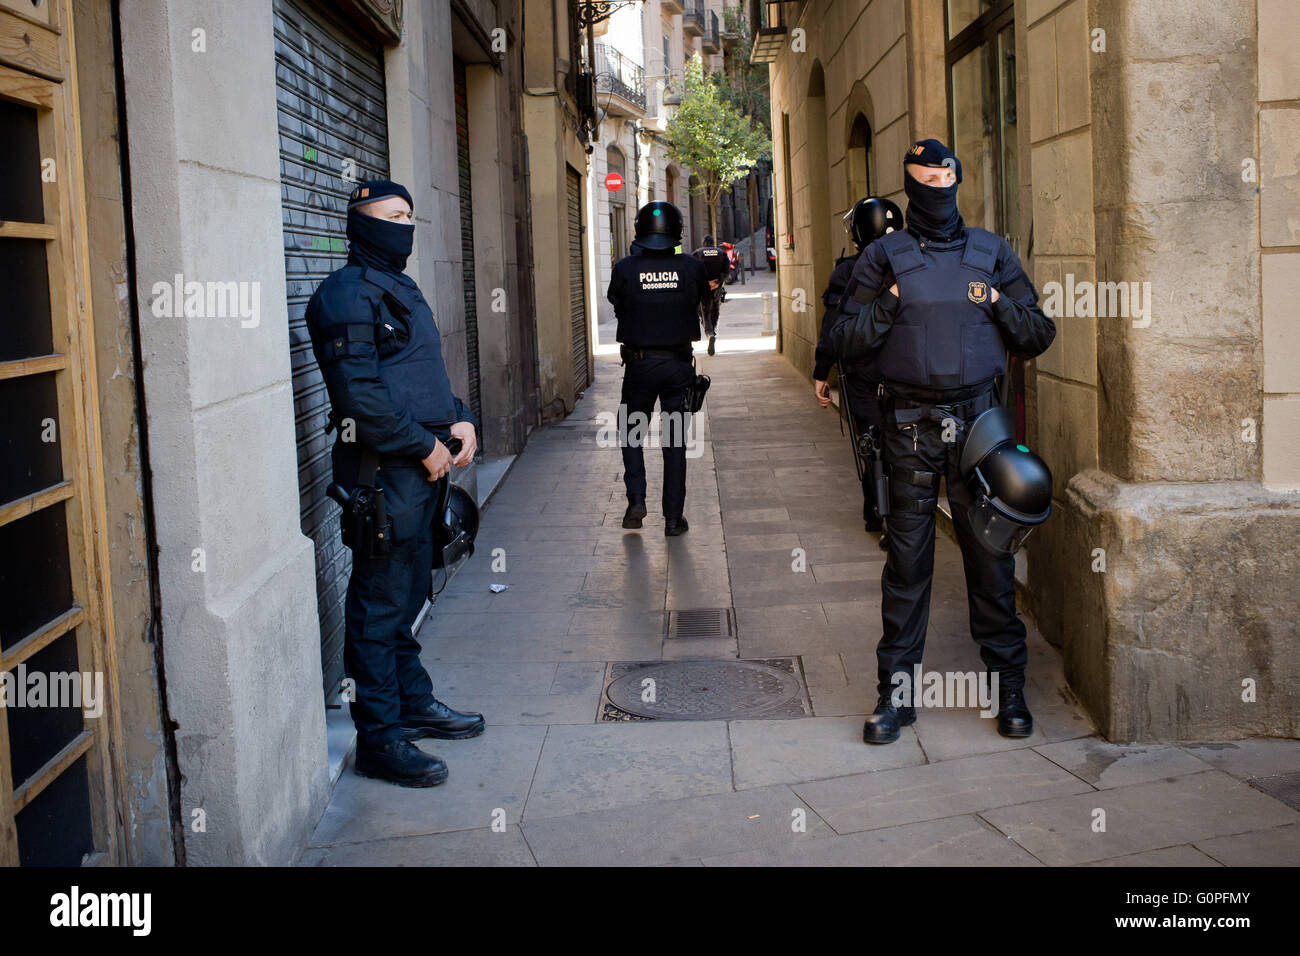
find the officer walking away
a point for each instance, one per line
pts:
(717, 265)
(656, 293)
(938, 305)
(868, 220)
(380, 353)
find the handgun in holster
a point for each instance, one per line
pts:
(367, 528)
(868, 451)
(871, 454)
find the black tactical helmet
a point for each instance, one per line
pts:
(658, 225)
(455, 525)
(871, 218)
(1012, 486)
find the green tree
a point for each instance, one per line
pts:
(712, 137)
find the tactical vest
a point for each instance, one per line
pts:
(839, 281)
(715, 261)
(865, 369)
(659, 303)
(410, 350)
(943, 335)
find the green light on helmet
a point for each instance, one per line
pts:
(1022, 448)
(658, 212)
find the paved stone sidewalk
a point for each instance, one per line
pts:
(773, 475)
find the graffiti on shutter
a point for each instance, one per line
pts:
(333, 124)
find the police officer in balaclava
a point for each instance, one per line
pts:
(380, 354)
(656, 294)
(938, 305)
(868, 220)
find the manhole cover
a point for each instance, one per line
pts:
(706, 690)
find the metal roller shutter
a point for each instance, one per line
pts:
(467, 238)
(577, 287)
(333, 122)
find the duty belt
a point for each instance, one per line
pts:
(631, 351)
(907, 411)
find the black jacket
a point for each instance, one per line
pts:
(656, 298)
(380, 353)
(825, 356)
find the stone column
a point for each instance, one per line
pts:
(1190, 630)
(237, 576)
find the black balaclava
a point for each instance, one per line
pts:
(932, 210)
(378, 243)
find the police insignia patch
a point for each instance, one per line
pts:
(977, 292)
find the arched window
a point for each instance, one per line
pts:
(859, 159)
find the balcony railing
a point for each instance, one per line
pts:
(712, 38)
(618, 75)
(693, 17)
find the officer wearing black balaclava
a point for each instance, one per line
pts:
(868, 220)
(379, 351)
(656, 294)
(937, 307)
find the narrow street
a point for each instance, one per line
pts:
(555, 781)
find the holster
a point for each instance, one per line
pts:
(366, 527)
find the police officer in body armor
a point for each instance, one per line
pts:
(937, 306)
(656, 294)
(868, 220)
(717, 265)
(380, 354)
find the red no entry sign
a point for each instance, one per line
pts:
(613, 182)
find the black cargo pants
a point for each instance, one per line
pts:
(709, 308)
(918, 457)
(380, 653)
(661, 375)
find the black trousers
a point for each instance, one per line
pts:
(385, 595)
(709, 307)
(665, 378)
(909, 568)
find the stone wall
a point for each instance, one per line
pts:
(1195, 608)
(149, 827)
(860, 54)
(236, 574)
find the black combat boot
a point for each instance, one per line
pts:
(635, 512)
(401, 762)
(1014, 718)
(439, 720)
(712, 342)
(675, 526)
(883, 726)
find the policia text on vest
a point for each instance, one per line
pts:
(936, 307)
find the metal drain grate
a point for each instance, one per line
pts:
(705, 690)
(702, 622)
